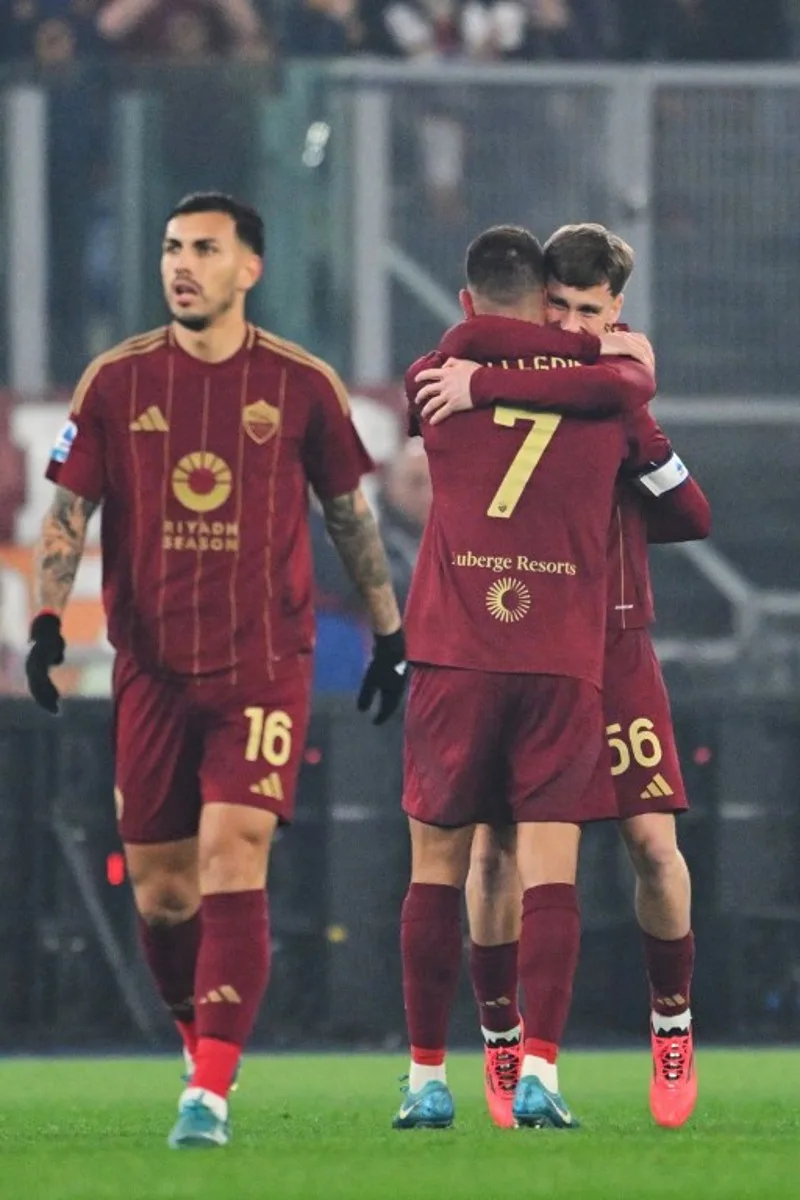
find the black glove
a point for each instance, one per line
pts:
(47, 651)
(386, 674)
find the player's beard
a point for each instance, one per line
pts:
(201, 321)
(195, 324)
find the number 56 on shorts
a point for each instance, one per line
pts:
(642, 758)
(644, 767)
(638, 744)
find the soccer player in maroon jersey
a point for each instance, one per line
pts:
(506, 624)
(200, 441)
(656, 501)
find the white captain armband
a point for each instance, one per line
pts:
(656, 481)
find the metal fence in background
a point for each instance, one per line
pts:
(94, 160)
(374, 176)
(697, 167)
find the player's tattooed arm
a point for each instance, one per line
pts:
(354, 532)
(60, 548)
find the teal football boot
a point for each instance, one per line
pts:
(430, 1108)
(536, 1107)
(202, 1122)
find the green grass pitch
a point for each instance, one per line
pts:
(319, 1128)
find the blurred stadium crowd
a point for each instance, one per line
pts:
(53, 32)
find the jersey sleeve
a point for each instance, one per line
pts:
(509, 338)
(674, 505)
(682, 515)
(78, 458)
(434, 359)
(334, 455)
(611, 387)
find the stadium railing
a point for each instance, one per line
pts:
(374, 175)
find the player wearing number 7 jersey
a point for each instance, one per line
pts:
(200, 441)
(506, 626)
(656, 501)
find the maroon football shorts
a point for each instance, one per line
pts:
(184, 743)
(642, 756)
(492, 748)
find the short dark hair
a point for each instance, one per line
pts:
(249, 225)
(505, 263)
(586, 255)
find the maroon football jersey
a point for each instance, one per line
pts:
(511, 574)
(203, 470)
(673, 512)
(679, 513)
(630, 592)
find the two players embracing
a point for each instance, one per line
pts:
(536, 702)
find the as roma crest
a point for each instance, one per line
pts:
(261, 421)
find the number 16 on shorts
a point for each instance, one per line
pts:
(269, 740)
(270, 736)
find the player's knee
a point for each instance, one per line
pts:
(234, 863)
(235, 831)
(166, 901)
(653, 851)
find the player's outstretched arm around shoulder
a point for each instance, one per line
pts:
(354, 532)
(624, 379)
(675, 507)
(57, 559)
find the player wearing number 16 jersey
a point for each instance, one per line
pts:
(506, 624)
(200, 441)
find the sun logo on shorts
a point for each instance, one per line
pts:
(202, 481)
(508, 600)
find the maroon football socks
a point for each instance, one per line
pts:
(430, 943)
(494, 974)
(548, 958)
(669, 973)
(170, 952)
(232, 974)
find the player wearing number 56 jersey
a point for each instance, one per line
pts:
(200, 441)
(657, 501)
(506, 628)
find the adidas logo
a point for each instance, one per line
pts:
(271, 787)
(151, 421)
(223, 995)
(657, 786)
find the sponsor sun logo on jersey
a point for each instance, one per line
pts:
(508, 600)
